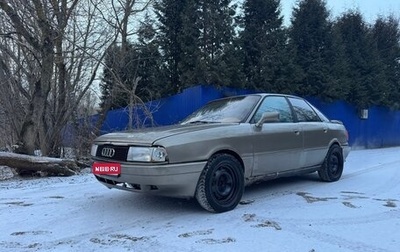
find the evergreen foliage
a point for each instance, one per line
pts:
(196, 38)
(265, 53)
(365, 68)
(310, 36)
(111, 78)
(138, 61)
(190, 64)
(170, 29)
(192, 42)
(151, 85)
(386, 34)
(216, 36)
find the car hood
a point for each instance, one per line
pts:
(148, 136)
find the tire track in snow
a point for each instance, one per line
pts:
(335, 240)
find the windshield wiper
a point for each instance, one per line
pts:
(201, 122)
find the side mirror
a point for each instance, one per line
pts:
(268, 117)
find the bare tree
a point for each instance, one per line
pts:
(79, 55)
(16, 76)
(125, 9)
(51, 51)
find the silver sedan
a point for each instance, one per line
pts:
(223, 147)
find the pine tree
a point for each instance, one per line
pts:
(230, 65)
(136, 68)
(340, 81)
(112, 97)
(191, 66)
(151, 85)
(196, 38)
(169, 15)
(310, 35)
(365, 71)
(264, 46)
(216, 38)
(386, 34)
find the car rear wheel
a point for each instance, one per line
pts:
(332, 168)
(221, 184)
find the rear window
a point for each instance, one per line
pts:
(303, 111)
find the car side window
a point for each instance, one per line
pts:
(274, 104)
(304, 111)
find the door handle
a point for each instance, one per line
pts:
(297, 132)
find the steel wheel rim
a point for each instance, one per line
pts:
(334, 164)
(223, 184)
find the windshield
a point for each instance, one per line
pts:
(231, 110)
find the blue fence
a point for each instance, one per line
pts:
(380, 129)
(168, 110)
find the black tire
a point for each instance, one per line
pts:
(332, 168)
(221, 184)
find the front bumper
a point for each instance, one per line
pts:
(174, 180)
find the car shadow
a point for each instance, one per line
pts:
(128, 202)
(282, 184)
(122, 201)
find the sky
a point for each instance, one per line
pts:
(370, 9)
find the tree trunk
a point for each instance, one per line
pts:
(35, 127)
(34, 131)
(48, 166)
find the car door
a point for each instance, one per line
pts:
(315, 133)
(277, 145)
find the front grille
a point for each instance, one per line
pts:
(120, 152)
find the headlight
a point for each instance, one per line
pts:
(147, 154)
(93, 150)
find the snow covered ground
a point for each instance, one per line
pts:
(358, 213)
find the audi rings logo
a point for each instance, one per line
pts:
(108, 152)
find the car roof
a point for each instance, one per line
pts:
(265, 94)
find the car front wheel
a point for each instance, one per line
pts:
(332, 168)
(221, 184)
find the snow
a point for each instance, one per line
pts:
(360, 212)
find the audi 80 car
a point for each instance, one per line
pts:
(223, 147)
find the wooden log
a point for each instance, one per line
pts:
(49, 166)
